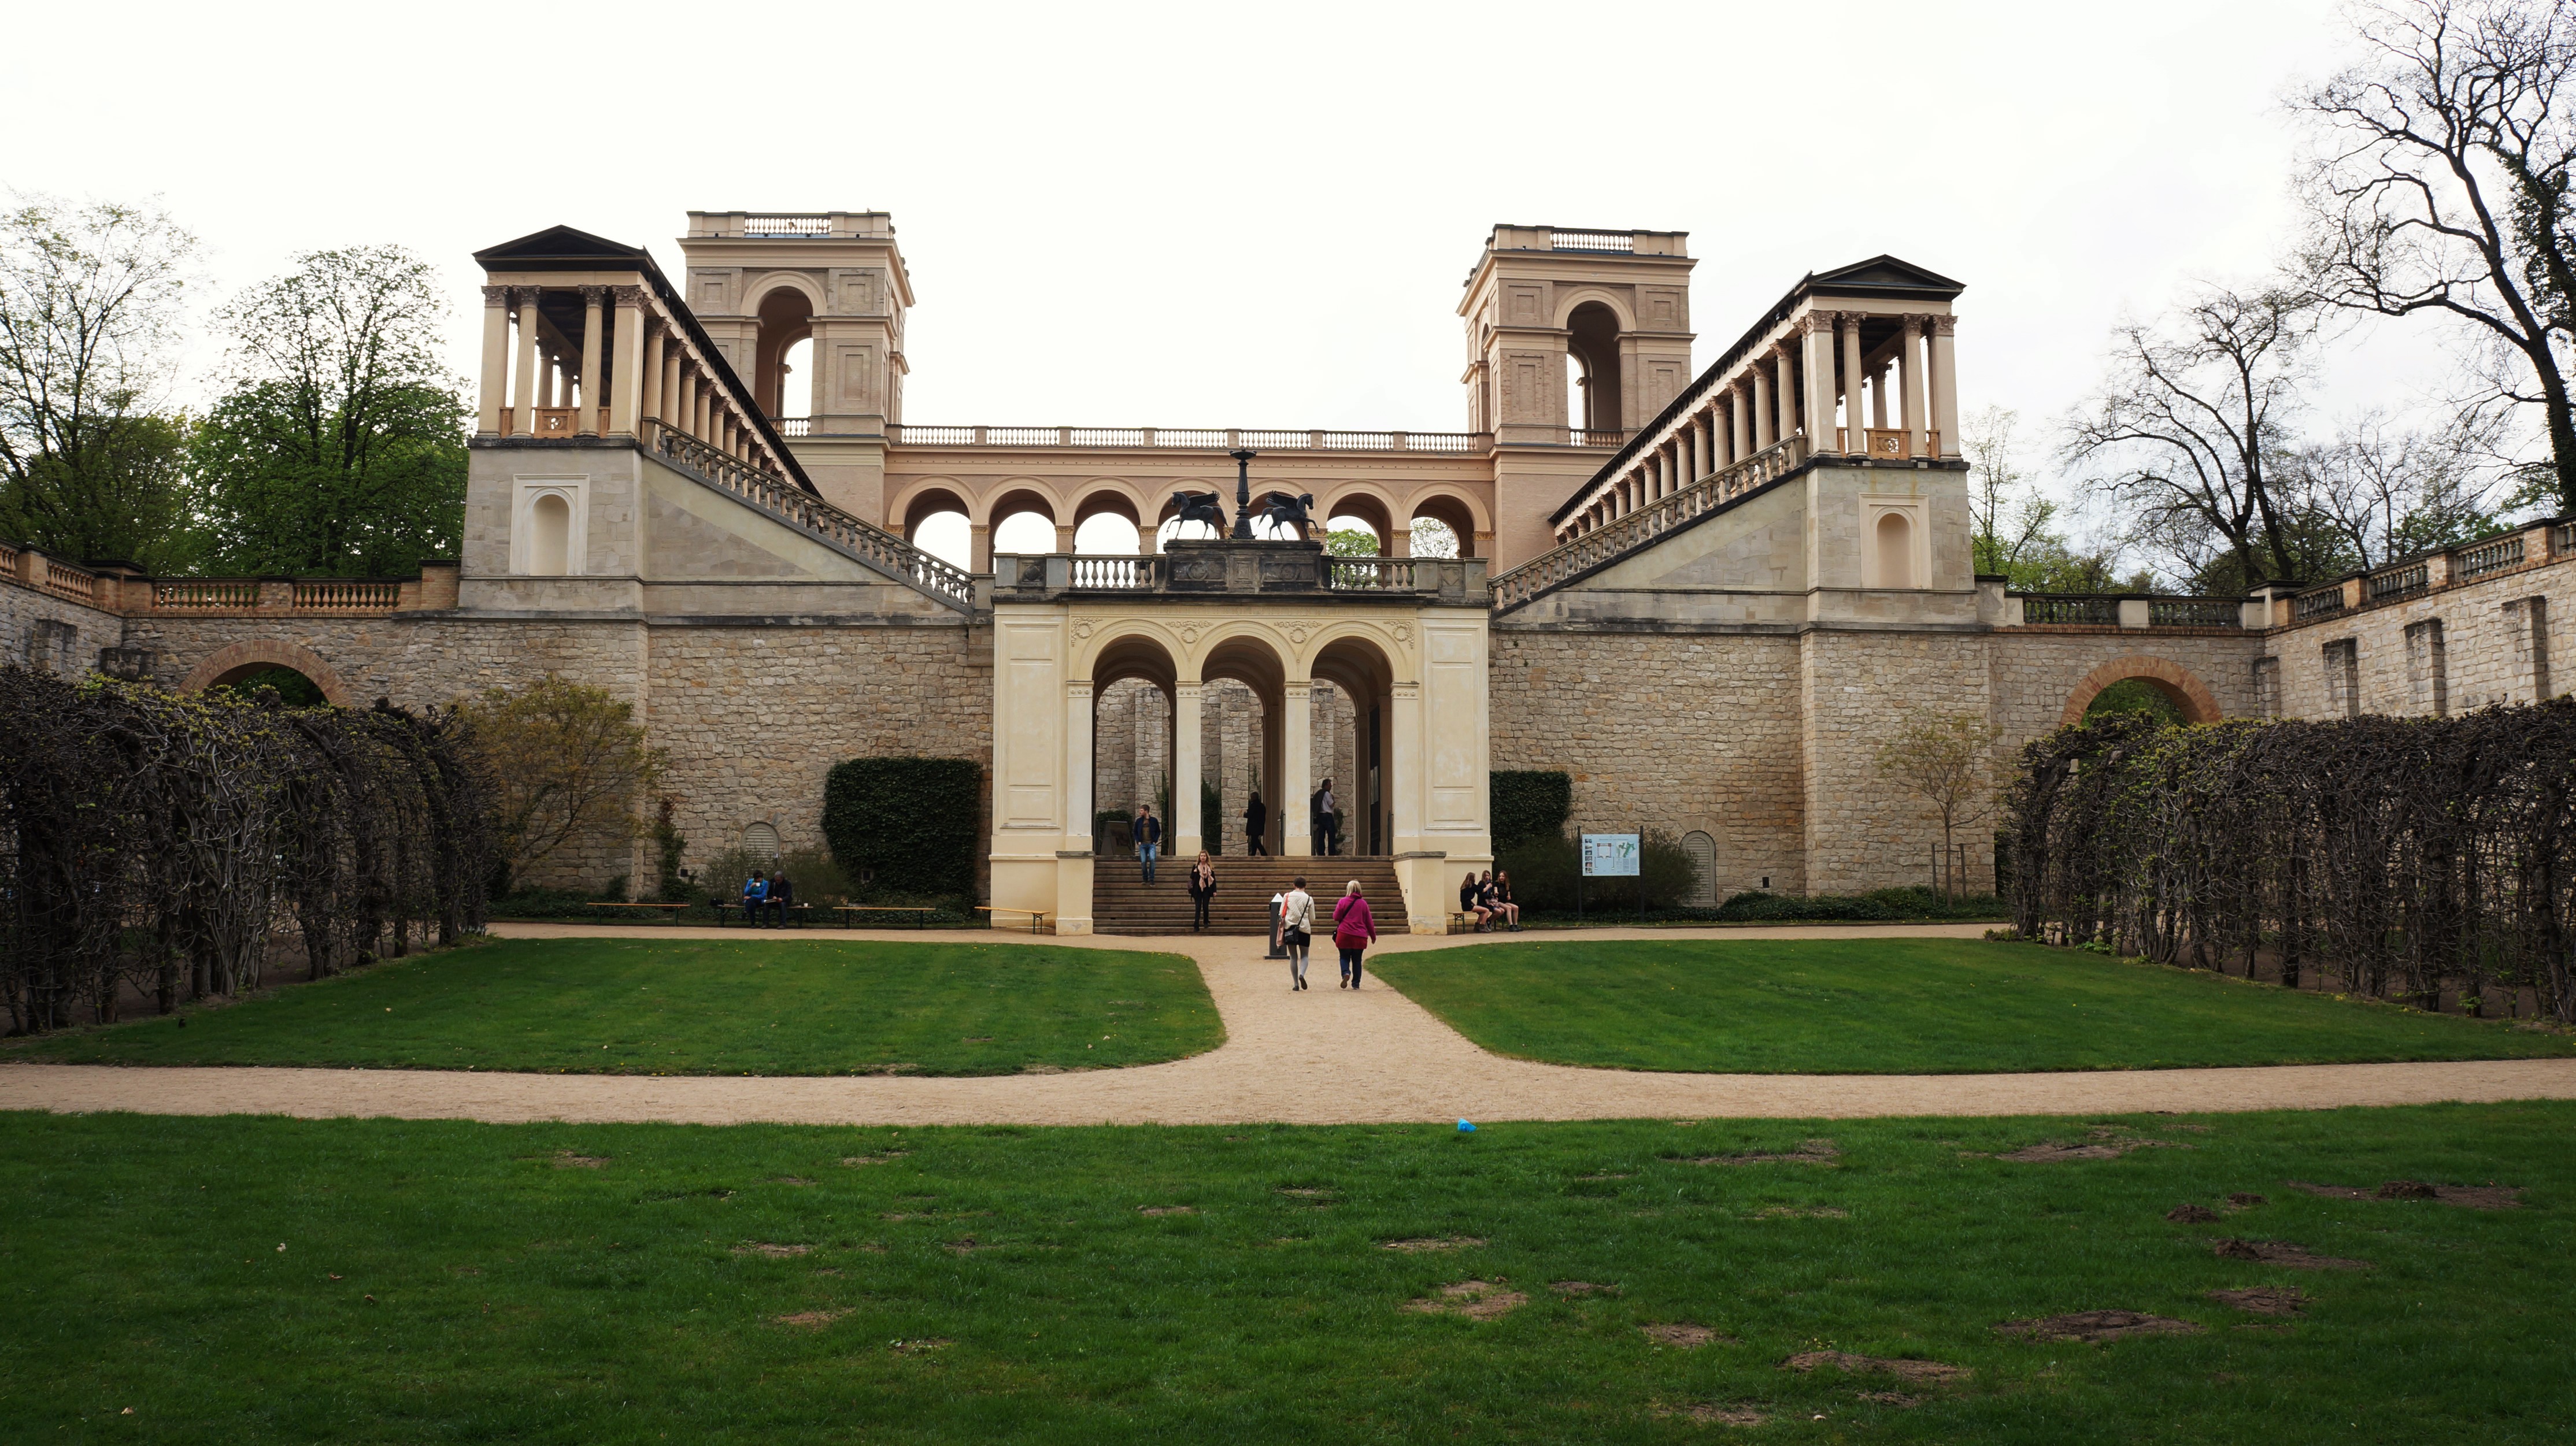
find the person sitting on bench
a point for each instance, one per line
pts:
(781, 896)
(754, 890)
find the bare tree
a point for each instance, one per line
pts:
(2385, 491)
(2440, 186)
(2184, 431)
(1945, 757)
(89, 309)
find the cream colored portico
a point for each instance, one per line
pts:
(1405, 638)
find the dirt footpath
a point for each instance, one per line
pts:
(1325, 1056)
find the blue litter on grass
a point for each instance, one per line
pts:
(1465, 1128)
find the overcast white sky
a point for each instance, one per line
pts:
(1230, 216)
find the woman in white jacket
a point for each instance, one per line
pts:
(1296, 930)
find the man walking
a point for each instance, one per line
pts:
(1328, 822)
(1149, 838)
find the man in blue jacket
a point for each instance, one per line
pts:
(755, 892)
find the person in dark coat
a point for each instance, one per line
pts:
(782, 894)
(1202, 890)
(1149, 838)
(1256, 817)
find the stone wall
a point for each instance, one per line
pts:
(2509, 638)
(1670, 731)
(57, 634)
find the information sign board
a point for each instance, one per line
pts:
(1609, 855)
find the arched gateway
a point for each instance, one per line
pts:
(1403, 639)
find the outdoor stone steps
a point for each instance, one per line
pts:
(1123, 904)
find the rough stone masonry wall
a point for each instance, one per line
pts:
(1673, 731)
(1864, 829)
(2509, 638)
(751, 718)
(53, 633)
(2031, 676)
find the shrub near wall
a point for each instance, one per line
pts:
(905, 824)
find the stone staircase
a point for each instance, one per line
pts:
(1121, 904)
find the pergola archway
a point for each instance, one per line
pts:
(2166, 676)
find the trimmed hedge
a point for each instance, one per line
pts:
(908, 822)
(1530, 803)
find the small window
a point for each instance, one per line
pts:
(1703, 856)
(761, 842)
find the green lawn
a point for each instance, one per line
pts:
(1903, 1006)
(648, 1006)
(258, 1280)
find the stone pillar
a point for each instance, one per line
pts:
(1739, 440)
(1077, 764)
(1762, 434)
(1817, 404)
(1296, 768)
(495, 391)
(688, 420)
(674, 408)
(1187, 831)
(1910, 369)
(648, 401)
(1878, 398)
(1847, 326)
(1402, 784)
(629, 376)
(594, 301)
(979, 547)
(1064, 537)
(1945, 385)
(523, 419)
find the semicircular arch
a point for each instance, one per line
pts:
(2166, 676)
(234, 661)
(1576, 299)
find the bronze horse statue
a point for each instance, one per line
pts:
(1281, 510)
(1200, 507)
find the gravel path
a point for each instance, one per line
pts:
(1326, 1056)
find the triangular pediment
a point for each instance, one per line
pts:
(1885, 275)
(559, 244)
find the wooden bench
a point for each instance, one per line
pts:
(622, 905)
(1461, 923)
(799, 912)
(920, 916)
(1037, 917)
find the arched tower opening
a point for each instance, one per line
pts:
(1592, 352)
(786, 324)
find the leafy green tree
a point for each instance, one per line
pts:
(1350, 542)
(340, 449)
(567, 762)
(90, 300)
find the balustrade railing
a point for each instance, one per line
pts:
(787, 225)
(343, 595)
(2195, 612)
(2400, 582)
(2488, 557)
(64, 580)
(794, 426)
(1625, 534)
(201, 594)
(2318, 603)
(796, 507)
(2087, 609)
(1370, 574)
(1198, 439)
(1592, 241)
(1117, 574)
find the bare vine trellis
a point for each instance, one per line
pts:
(164, 841)
(2399, 854)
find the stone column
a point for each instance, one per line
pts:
(1784, 394)
(594, 301)
(648, 401)
(1817, 404)
(1739, 442)
(495, 391)
(1847, 326)
(1762, 410)
(1187, 831)
(686, 389)
(1077, 764)
(1910, 371)
(1064, 537)
(1296, 768)
(674, 411)
(1878, 398)
(979, 547)
(630, 377)
(1945, 384)
(523, 419)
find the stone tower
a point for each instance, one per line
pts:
(1616, 304)
(762, 282)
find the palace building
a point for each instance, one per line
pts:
(1707, 592)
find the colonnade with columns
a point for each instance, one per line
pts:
(1853, 383)
(631, 363)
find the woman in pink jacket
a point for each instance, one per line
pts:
(1353, 931)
